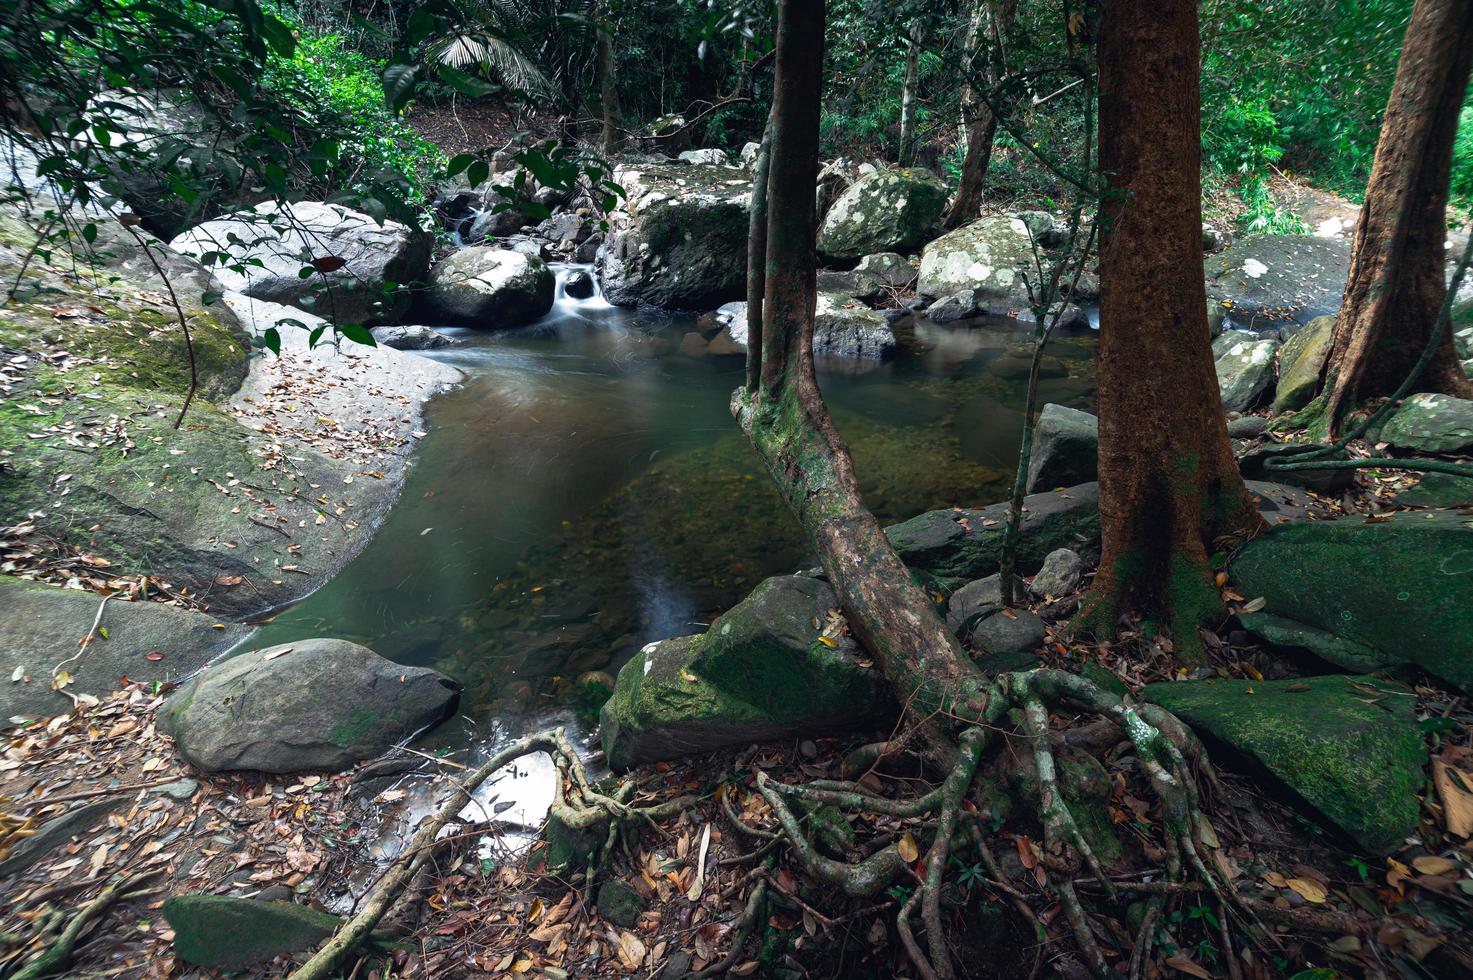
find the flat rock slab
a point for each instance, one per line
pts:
(1346, 746)
(1263, 281)
(1365, 595)
(227, 933)
(313, 704)
(1429, 423)
(42, 625)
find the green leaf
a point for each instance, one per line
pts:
(477, 173)
(279, 35)
(398, 86)
(358, 334)
(315, 336)
(458, 163)
(271, 340)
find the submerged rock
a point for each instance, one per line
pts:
(1346, 746)
(1066, 446)
(1429, 423)
(988, 255)
(227, 933)
(842, 327)
(760, 672)
(367, 259)
(1367, 596)
(1264, 281)
(313, 704)
(1245, 369)
(680, 241)
(884, 211)
(490, 288)
(1300, 362)
(411, 338)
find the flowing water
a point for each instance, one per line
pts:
(586, 491)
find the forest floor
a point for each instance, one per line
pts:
(483, 913)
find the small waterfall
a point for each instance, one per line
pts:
(565, 305)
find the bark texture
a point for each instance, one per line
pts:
(1397, 266)
(612, 140)
(788, 425)
(1169, 486)
(982, 68)
(908, 95)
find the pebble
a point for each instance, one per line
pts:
(181, 789)
(808, 748)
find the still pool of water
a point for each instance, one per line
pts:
(586, 491)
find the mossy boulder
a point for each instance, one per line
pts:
(226, 933)
(490, 288)
(1367, 595)
(1301, 360)
(1429, 423)
(1438, 490)
(842, 327)
(764, 670)
(313, 704)
(1346, 746)
(680, 240)
(1245, 369)
(883, 211)
(988, 256)
(619, 903)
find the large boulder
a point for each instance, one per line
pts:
(680, 240)
(1301, 360)
(1346, 746)
(884, 211)
(264, 251)
(1066, 445)
(1262, 281)
(1429, 423)
(770, 667)
(223, 932)
(313, 704)
(842, 327)
(710, 157)
(989, 255)
(1367, 596)
(1245, 369)
(411, 338)
(490, 288)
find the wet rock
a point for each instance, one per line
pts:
(680, 240)
(411, 338)
(1300, 362)
(1367, 596)
(619, 903)
(956, 306)
(1261, 281)
(705, 158)
(973, 601)
(1009, 631)
(372, 256)
(1066, 445)
(1346, 746)
(1429, 423)
(313, 704)
(578, 285)
(566, 228)
(1245, 369)
(226, 933)
(989, 255)
(884, 211)
(842, 327)
(490, 288)
(758, 673)
(1062, 569)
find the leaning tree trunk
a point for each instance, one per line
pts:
(613, 133)
(1397, 266)
(908, 95)
(1168, 483)
(784, 416)
(978, 120)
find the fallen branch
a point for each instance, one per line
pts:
(59, 954)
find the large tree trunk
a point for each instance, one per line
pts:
(908, 95)
(608, 78)
(784, 416)
(1396, 284)
(978, 121)
(1168, 483)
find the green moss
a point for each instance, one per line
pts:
(1346, 746)
(235, 933)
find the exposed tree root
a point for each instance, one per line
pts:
(1165, 751)
(56, 958)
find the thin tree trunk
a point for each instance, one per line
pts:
(1397, 265)
(978, 122)
(757, 257)
(908, 95)
(1169, 486)
(788, 425)
(608, 75)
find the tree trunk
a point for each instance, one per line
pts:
(908, 95)
(1397, 266)
(785, 419)
(1168, 483)
(978, 121)
(613, 133)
